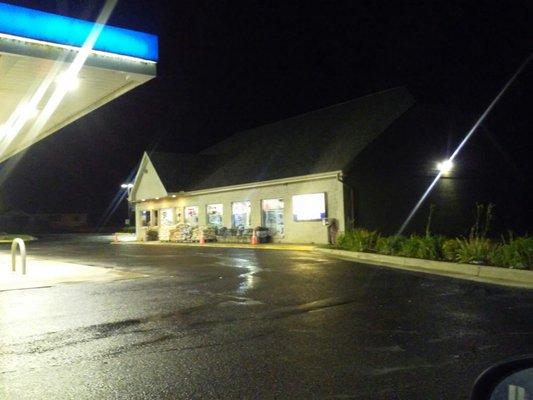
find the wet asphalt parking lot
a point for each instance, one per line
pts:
(257, 324)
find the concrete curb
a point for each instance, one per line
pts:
(480, 273)
(266, 246)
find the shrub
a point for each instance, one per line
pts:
(390, 245)
(428, 247)
(475, 250)
(152, 235)
(482, 220)
(524, 246)
(450, 247)
(358, 240)
(515, 253)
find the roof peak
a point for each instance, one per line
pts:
(323, 140)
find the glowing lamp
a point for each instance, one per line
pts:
(445, 166)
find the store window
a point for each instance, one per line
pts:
(273, 210)
(191, 215)
(167, 216)
(145, 218)
(309, 207)
(214, 214)
(156, 218)
(240, 214)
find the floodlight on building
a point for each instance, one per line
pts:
(126, 185)
(173, 195)
(445, 166)
(68, 81)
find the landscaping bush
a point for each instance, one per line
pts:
(450, 247)
(477, 249)
(514, 253)
(524, 247)
(474, 250)
(152, 235)
(428, 247)
(482, 221)
(390, 245)
(358, 240)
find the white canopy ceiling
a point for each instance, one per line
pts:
(37, 96)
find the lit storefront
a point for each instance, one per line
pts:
(284, 181)
(299, 212)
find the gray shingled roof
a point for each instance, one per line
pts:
(325, 140)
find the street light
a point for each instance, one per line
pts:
(445, 166)
(128, 187)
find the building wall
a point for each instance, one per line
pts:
(295, 232)
(391, 175)
(150, 185)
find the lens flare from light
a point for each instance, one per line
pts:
(23, 113)
(68, 81)
(14, 124)
(462, 144)
(445, 166)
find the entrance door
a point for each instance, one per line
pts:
(273, 212)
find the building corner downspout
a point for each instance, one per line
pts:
(351, 223)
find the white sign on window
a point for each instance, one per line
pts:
(167, 216)
(191, 215)
(214, 214)
(309, 207)
(240, 214)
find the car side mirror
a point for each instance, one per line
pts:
(508, 380)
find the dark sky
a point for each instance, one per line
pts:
(229, 66)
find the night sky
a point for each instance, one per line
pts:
(229, 66)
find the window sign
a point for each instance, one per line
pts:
(214, 214)
(309, 207)
(191, 215)
(273, 215)
(167, 216)
(240, 214)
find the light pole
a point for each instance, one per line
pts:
(128, 187)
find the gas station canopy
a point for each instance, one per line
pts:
(51, 73)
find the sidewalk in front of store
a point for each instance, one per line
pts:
(48, 272)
